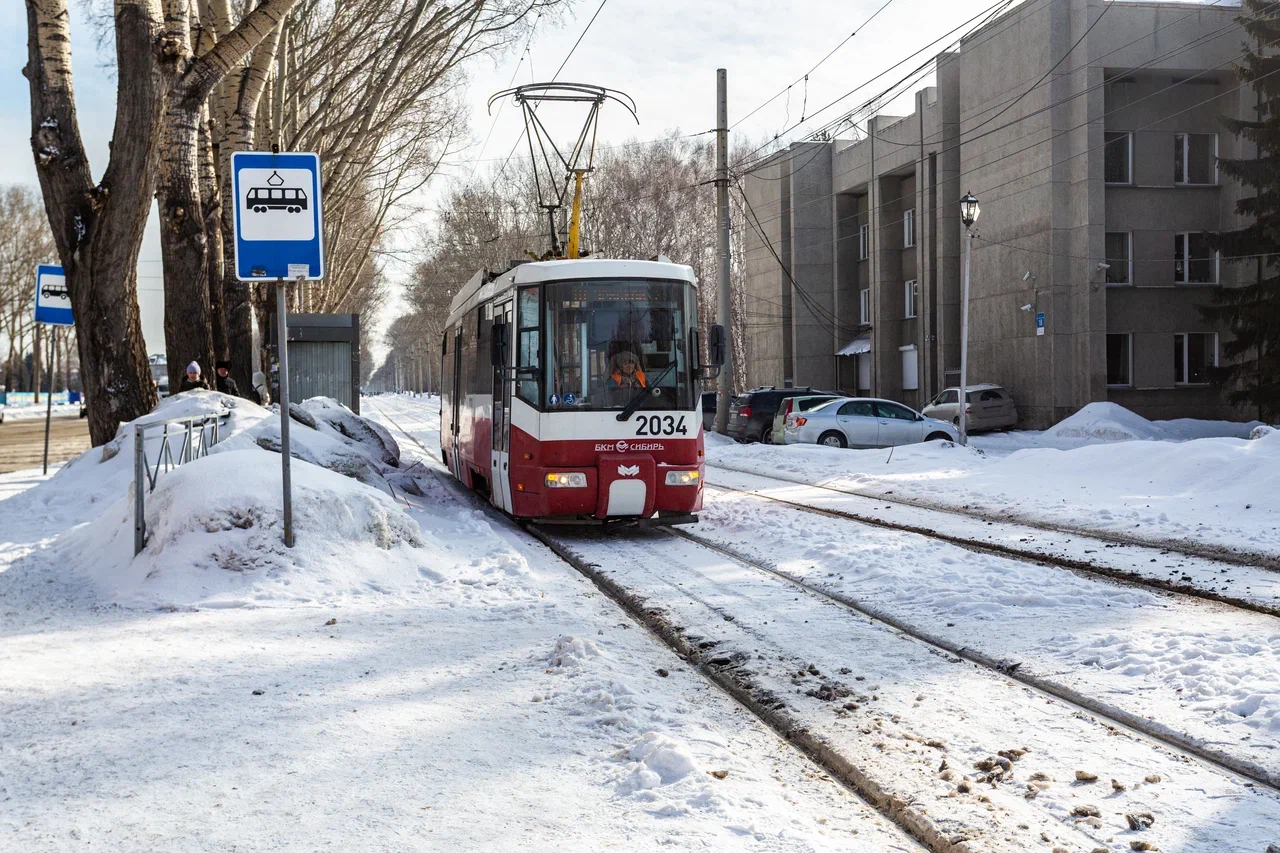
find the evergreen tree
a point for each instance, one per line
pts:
(1251, 310)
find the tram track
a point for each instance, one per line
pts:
(732, 668)
(1179, 547)
(732, 671)
(1093, 567)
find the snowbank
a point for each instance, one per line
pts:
(1112, 422)
(214, 524)
(1213, 491)
(215, 530)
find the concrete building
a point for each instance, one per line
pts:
(1096, 179)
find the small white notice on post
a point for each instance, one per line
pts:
(297, 271)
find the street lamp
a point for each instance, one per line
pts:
(969, 211)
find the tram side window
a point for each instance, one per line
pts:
(484, 325)
(529, 346)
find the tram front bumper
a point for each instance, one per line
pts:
(619, 487)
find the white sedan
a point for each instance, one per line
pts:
(864, 422)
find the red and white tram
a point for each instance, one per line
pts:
(571, 391)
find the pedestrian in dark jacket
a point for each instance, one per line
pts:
(224, 382)
(193, 381)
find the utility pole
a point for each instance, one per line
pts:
(724, 386)
(969, 211)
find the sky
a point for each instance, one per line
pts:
(664, 53)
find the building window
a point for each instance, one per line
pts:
(1117, 161)
(911, 295)
(864, 306)
(1195, 158)
(910, 368)
(1193, 261)
(864, 242)
(1193, 355)
(908, 228)
(1119, 257)
(1119, 360)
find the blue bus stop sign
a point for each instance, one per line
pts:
(53, 301)
(278, 216)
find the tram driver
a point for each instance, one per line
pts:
(626, 371)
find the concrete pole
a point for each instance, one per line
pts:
(724, 387)
(964, 338)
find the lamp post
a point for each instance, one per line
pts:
(968, 215)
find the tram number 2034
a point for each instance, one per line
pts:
(661, 425)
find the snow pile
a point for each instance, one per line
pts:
(1106, 422)
(1261, 431)
(655, 760)
(215, 531)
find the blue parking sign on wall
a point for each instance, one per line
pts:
(53, 301)
(279, 221)
(1040, 323)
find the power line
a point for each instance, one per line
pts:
(818, 65)
(987, 190)
(963, 141)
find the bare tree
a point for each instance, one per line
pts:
(643, 199)
(25, 242)
(98, 228)
(370, 87)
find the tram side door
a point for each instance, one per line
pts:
(502, 381)
(458, 389)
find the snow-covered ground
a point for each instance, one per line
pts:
(59, 410)
(414, 675)
(1210, 492)
(1207, 671)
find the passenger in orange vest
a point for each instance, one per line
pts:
(627, 372)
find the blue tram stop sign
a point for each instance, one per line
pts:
(279, 223)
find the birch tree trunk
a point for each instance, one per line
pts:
(243, 93)
(184, 242)
(98, 228)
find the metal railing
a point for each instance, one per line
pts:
(194, 436)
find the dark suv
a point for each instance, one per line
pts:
(751, 415)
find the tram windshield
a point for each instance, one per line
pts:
(609, 342)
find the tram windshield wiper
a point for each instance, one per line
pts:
(634, 403)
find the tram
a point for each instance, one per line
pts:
(571, 390)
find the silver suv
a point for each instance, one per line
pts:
(990, 407)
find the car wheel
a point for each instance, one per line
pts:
(832, 439)
(956, 422)
(939, 436)
(767, 436)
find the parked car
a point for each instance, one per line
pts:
(865, 422)
(751, 415)
(990, 407)
(796, 404)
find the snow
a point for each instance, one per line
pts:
(22, 413)
(415, 674)
(1192, 666)
(1210, 492)
(215, 529)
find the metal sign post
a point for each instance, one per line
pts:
(53, 308)
(279, 231)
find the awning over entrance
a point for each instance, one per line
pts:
(859, 345)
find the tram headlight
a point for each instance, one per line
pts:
(683, 478)
(569, 480)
